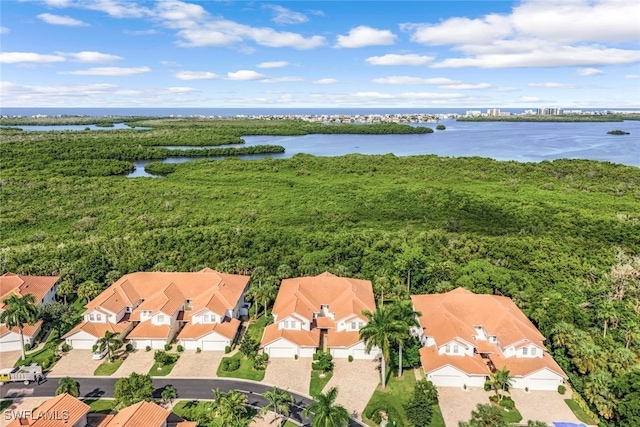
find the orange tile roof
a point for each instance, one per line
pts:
(325, 323)
(454, 314)
(187, 424)
(149, 330)
(146, 414)
(227, 329)
(39, 286)
(97, 329)
(61, 411)
(343, 338)
(301, 338)
(165, 291)
(27, 330)
(523, 366)
(432, 361)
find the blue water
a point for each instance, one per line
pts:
(34, 128)
(523, 142)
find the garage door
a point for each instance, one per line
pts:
(542, 384)
(213, 345)
(11, 345)
(447, 380)
(281, 352)
(362, 354)
(81, 344)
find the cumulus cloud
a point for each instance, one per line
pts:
(4, 30)
(195, 75)
(284, 16)
(181, 89)
(407, 80)
(365, 36)
(91, 56)
(589, 72)
(282, 79)
(245, 75)
(28, 58)
(553, 85)
(394, 59)
(540, 33)
(61, 20)
(325, 81)
(273, 64)
(110, 71)
(466, 86)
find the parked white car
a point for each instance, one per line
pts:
(98, 355)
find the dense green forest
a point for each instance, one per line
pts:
(561, 238)
(552, 118)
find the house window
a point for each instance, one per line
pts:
(525, 350)
(455, 348)
(447, 348)
(160, 317)
(205, 318)
(285, 324)
(360, 325)
(533, 351)
(99, 317)
(353, 325)
(213, 318)
(92, 317)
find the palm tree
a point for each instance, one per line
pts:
(230, 407)
(65, 288)
(606, 312)
(404, 313)
(278, 401)
(501, 380)
(20, 311)
(381, 330)
(89, 290)
(111, 342)
(169, 393)
(68, 385)
(325, 412)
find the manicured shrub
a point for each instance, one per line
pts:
(167, 347)
(180, 348)
(494, 398)
(487, 386)
(147, 348)
(295, 356)
(230, 364)
(350, 358)
(227, 349)
(65, 348)
(323, 361)
(198, 350)
(129, 348)
(507, 403)
(27, 347)
(260, 362)
(94, 348)
(562, 389)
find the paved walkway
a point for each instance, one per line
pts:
(289, 374)
(547, 406)
(456, 404)
(76, 363)
(139, 361)
(356, 381)
(198, 365)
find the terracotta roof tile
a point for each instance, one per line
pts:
(301, 338)
(522, 366)
(227, 329)
(343, 338)
(149, 330)
(69, 409)
(97, 329)
(39, 286)
(27, 330)
(432, 361)
(146, 414)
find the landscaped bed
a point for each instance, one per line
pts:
(107, 368)
(100, 406)
(245, 371)
(579, 412)
(317, 382)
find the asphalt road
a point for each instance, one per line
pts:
(191, 388)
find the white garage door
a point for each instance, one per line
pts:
(11, 345)
(81, 344)
(542, 384)
(447, 380)
(362, 354)
(280, 352)
(213, 345)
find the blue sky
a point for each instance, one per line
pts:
(426, 54)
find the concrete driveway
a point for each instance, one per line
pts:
(289, 374)
(76, 363)
(456, 404)
(18, 405)
(197, 365)
(356, 381)
(139, 361)
(547, 406)
(9, 358)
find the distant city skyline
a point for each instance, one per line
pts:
(320, 54)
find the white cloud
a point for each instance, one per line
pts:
(528, 99)
(460, 30)
(110, 71)
(91, 57)
(141, 32)
(589, 72)
(28, 57)
(407, 80)
(365, 36)
(181, 89)
(631, 76)
(195, 75)
(61, 20)
(273, 64)
(553, 85)
(282, 79)
(117, 8)
(325, 81)
(466, 86)
(284, 16)
(245, 75)
(394, 59)
(4, 30)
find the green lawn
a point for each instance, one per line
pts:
(38, 357)
(164, 369)
(196, 410)
(245, 371)
(317, 383)
(512, 416)
(256, 328)
(100, 406)
(396, 395)
(288, 423)
(107, 368)
(579, 412)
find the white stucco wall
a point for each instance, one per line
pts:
(448, 376)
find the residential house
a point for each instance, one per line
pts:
(147, 414)
(319, 313)
(43, 289)
(63, 410)
(466, 336)
(200, 309)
